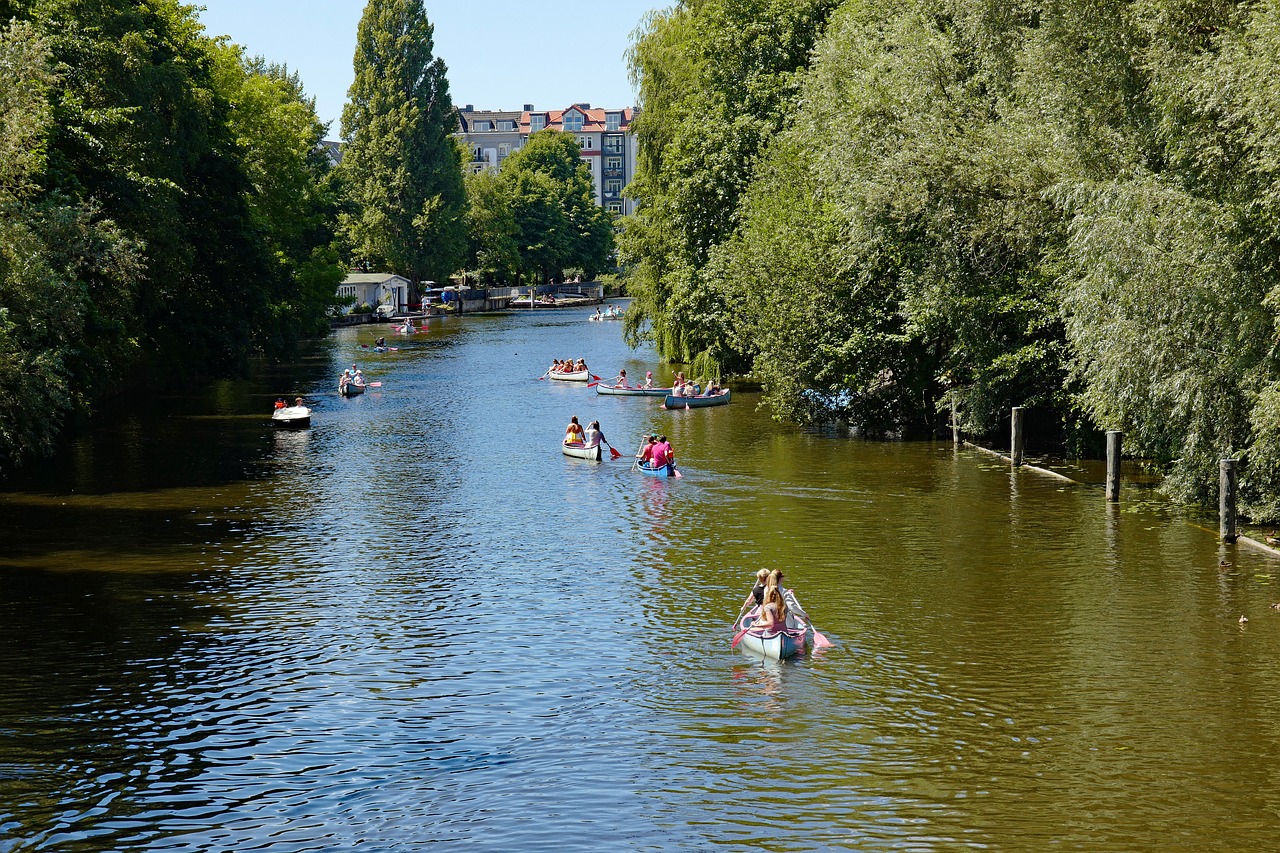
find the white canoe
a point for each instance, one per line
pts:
(578, 450)
(776, 645)
(580, 376)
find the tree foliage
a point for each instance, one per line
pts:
(913, 202)
(163, 212)
(400, 164)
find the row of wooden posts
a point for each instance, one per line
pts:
(1226, 470)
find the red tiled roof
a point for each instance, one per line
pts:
(593, 120)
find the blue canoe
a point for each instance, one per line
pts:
(667, 470)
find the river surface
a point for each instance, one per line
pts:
(417, 625)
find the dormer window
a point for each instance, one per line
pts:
(506, 125)
(573, 122)
(612, 121)
(482, 127)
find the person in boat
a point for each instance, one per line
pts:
(280, 403)
(580, 366)
(645, 456)
(593, 436)
(648, 379)
(380, 342)
(358, 378)
(773, 612)
(713, 388)
(788, 595)
(598, 314)
(573, 432)
(661, 455)
(620, 381)
(344, 380)
(297, 402)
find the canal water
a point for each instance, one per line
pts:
(417, 625)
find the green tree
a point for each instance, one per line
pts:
(558, 225)
(400, 164)
(491, 226)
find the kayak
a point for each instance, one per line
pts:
(579, 376)
(674, 402)
(580, 451)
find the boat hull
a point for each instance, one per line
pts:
(351, 389)
(615, 391)
(580, 376)
(667, 470)
(776, 646)
(579, 451)
(292, 417)
(674, 402)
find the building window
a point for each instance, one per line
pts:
(482, 127)
(573, 122)
(613, 186)
(506, 125)
(504, 149)
(586, 162)
(612, 121)
(613, 164)
(613, 144)
(614, 207)
(537, 122)
(585, 143)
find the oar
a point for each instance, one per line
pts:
(594, 378)
(374, 384)
(635, 460)
(545, 375)
(737, 638)
(613, 454)
(819, 641)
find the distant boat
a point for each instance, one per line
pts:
(668, 470)
(621, 391)
(699, 402)
(576, 376)
(772, 644)
(294, 417)
(350, 389)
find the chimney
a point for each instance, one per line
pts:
(469, 108)
(584, 106)
(528, 108)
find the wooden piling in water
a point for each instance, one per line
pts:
(955, 418)
(1113, 464)
(1227, 499)
(1015, 443)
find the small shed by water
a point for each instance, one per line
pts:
(377, 288)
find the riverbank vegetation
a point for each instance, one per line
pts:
(878, 206)
(165, 209)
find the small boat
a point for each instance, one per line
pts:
(668, 470)
(606, 316)
(351, 389)
(291, 417)
(578, 376)
(626, 391)
(580, 451)
(774, 644)
(674, 402)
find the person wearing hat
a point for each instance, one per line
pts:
(648, 379)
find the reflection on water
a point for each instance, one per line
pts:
(418, 622)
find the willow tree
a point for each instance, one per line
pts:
(401, 168)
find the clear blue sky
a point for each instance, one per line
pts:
(501, 54)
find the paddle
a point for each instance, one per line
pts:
(613, 454)
(374, 384)
(819, 641)
(737, 638)
(545, 375)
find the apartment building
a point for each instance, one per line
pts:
(604, 135)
